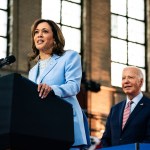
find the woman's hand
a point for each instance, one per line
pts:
(43, 90)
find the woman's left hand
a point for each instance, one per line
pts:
(43, 90)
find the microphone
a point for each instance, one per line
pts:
(8, 60)
(1, 59)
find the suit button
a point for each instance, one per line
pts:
(120, 139)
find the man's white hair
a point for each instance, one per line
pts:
(139, 71)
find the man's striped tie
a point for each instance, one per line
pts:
(126, 113)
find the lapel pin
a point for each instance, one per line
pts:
(141, 104)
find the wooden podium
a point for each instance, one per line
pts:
(28, 122)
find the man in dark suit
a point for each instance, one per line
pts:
(137, 126)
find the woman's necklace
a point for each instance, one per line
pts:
(43, 63)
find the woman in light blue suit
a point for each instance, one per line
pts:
(58, 72)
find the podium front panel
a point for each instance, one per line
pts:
(29, 121)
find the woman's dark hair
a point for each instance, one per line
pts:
(59, 43)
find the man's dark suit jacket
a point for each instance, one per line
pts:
(136, 130)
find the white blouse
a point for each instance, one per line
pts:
(41, 68)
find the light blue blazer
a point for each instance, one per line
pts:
(63, 74)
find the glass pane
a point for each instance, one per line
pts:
(118, 7)
(76, 1)
(3, 4)
(116, 74)
(136, 54)
(119, 26)
(3, 50)
(51, 10)
(136, 31)
(71, 14)
(3, 23)
(72, 38)
(136, 9)
(118, 50)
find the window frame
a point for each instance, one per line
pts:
(129, 41)
(8, 28)
(60, 23)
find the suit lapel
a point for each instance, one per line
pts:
(49, 67)
(121, 114)
(34, 73)
(136, 110)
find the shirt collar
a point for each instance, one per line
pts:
(136, 99)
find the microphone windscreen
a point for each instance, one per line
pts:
(10, 59)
